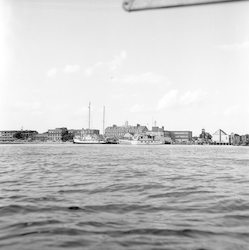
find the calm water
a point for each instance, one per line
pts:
(124, 197)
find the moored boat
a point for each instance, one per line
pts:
(87, 137)
(111, 141)
(142, 139)
(89, 141)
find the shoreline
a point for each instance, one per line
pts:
(63, 143)
(35, 142)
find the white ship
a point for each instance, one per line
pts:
(142, 139)
(87, 137)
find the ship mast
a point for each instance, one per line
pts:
(89, 121)
(104, 121)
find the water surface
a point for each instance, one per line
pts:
(56, 196)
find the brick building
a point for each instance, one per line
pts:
(120, 131)
(41, 137)
(182, 136)
(55, 135)
(8, 135)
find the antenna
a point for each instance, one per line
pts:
(104, 120)
(89, 121)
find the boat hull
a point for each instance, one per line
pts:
(77, 141)
(140, 142)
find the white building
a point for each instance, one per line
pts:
(220, 137)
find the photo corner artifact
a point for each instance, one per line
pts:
(139, 5)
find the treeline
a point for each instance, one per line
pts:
(66, 136)
(24, 135)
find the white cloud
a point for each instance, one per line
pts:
(118, 96)
(237, 110)
(112, 64)
(215, 113)
(52, 72)
(67, 69)
(144, 78)
(71, 68)
(117, 60)
(192, 97)
(81, 112)
(36, 105)
(37, 113)
(23, 107)
(89, 71)
(6, 54)
(235, 46)
(171, 99)
(137, 108)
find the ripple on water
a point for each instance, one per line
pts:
(122, 197)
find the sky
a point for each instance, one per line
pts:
(181, 68)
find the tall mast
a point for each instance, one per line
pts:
(89, 121)
(104, 120)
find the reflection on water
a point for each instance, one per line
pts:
(124, 197)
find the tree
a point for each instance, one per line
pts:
(24, 134)
(205, 135)
(65, 136)
(209, 136)
(19, 135)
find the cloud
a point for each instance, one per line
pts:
(81, 112)
(137, 108)
(172, 100)
(234, 47)
(89, 71)
(169, 100)
(71, 68)
(192, 97)
(67, 69)
(37, 113)
(6, 53)
(23, 107)
(118, 96)
(237, 110)
(117, 60)
(113, 64)
(144, 78)
(52, 72)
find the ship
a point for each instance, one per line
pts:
(142, 139)
(87, 136)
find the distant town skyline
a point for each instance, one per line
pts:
(185, 68)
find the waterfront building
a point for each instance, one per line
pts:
(245, 139)
(136, 129)
(115, 132)
(8, 135)
(128, 136)
(55, 135)
(235, 139)
(220, 137)
(205, 137)
(41, 137)
(182, 136)
(168, 136)
(120, 131)
(75, 132)
(90, 131)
